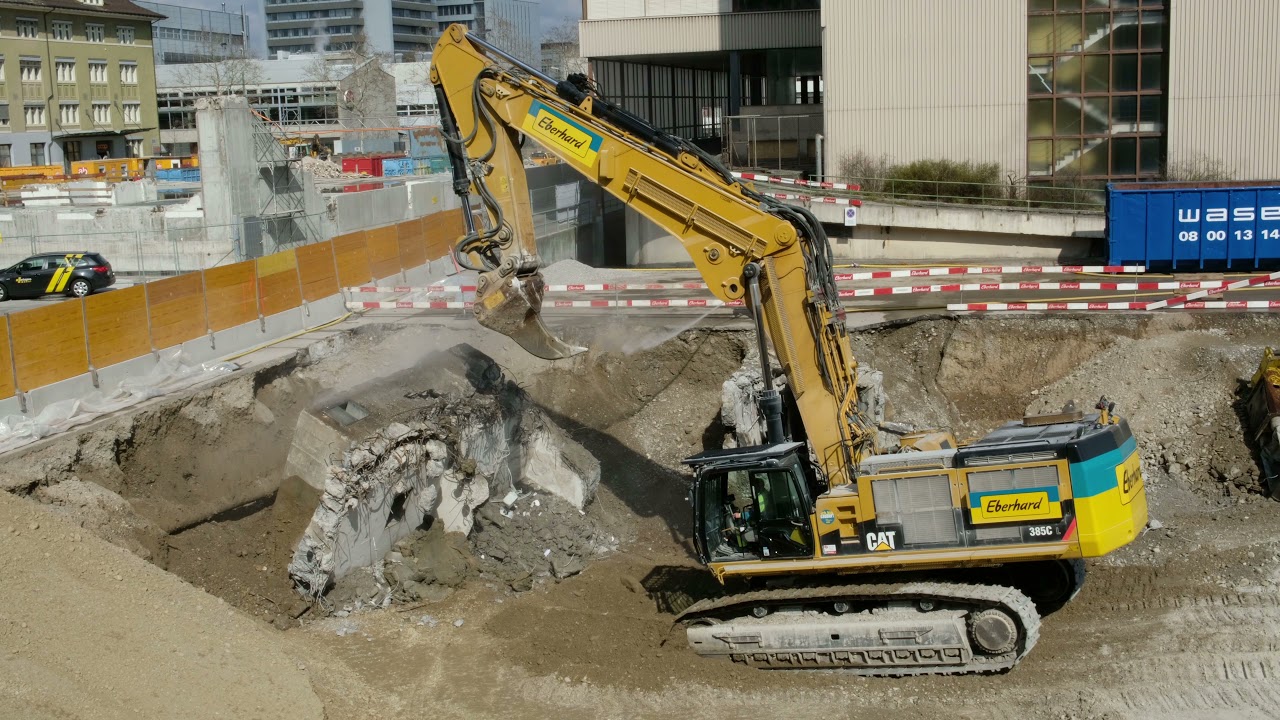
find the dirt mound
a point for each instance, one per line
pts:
(89, 630)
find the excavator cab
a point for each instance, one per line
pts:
(752, 504)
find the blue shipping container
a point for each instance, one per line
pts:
(393, 167)
(1181, 225)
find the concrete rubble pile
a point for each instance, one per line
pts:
(424, 462)
(740, 413)
(323, 169)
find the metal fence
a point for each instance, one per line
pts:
(1013, 195)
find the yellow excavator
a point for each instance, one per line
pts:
(933, 557)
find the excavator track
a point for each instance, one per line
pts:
(919, 628)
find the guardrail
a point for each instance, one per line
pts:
(79, 338)
(944, 192)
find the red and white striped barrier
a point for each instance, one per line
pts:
(848, 277)
(796, 181)
(586, 287)
(993, 270)
(552, 304)
(1183, 299)
(816, 199)
(987, 307)
(1190, 305)
(1056, 286)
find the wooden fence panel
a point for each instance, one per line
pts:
(352, 255)
(117, 326)
(48, 344)
(7, 386)
(278, 288)
(384, 252)
(231, 294)
(442, 231)
(317, 271)
(413, 246)
(177, 310)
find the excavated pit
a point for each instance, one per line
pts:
(203, 485)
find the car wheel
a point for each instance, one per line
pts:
(4, 293)
(80, 287)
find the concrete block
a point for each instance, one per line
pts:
(69, 389)
(282, 325)
(10, 406)
(109, 377)
(200, 350)
(238, 339)
(418, 276)
(324, 310)
(316, 444)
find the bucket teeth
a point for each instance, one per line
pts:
(512, 305)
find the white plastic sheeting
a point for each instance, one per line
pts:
(173, 372)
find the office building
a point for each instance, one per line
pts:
(189, 35)
(513, 25)
(1053, 91)
(400, 30)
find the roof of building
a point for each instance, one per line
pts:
(290, 70)
(112, 7)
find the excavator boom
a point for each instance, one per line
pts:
(489, 99)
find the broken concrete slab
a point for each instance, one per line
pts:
(428, 445)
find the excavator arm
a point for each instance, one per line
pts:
(743, 243)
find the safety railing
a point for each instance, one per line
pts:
(1014, 195)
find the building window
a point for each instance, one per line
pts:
(98, 72)
(61, 30)
(33, 115)
(95, 33)
(71, 150)
(69, 114)
(37, 153)
(27, 28)
(132, 113)
(6, 156)
(29, 70)
(128, 73)
(124, 34)
(65, 70)
(135, 148)
(4, 116)
(101, 113)
(1095, 90)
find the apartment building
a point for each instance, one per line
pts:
(191, 35)
(400, 29)
(77, 81)
(513, 25)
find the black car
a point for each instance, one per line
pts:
(75, 273)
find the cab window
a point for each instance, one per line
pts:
(752, 514)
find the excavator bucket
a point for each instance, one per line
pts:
(512, 305)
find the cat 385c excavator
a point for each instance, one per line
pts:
(932, 558)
